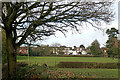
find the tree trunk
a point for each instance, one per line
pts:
(11, 50)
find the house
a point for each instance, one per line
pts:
(23, 50)
(84, 52)
(62, 50)
(48, 50)
(116, 42)
(78, 49)
(104, 50)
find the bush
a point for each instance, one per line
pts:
(21, 54)
(32, 72)
(5, 69)
(21, 64)
(87, 65)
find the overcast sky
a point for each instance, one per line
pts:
(86, 36)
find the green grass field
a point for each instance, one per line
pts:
(97, 73)
(51, 61)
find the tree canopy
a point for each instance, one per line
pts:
(34, 20)
(55, 44)
(95, 48)
(82, 46)
(112, 43)
(112, 32)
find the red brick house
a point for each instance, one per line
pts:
(116, 42)
(105, 52)
(23, 50)
(105, 49)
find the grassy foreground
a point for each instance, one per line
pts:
(93, 73)
(90, 73)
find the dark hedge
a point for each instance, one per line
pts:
(87, 65)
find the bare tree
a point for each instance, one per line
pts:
(24, 21)
(55, 44)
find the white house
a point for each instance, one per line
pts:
(75, 53)
(68, 51)
(84, 52)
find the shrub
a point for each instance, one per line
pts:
(21, 64)
(62, 75)
(5, 69)
(87, 65)
(32, 72)
(21, 54)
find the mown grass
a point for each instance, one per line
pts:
(52, 61)
(90, 73)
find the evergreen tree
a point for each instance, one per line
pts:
(111, 43)
(82, 46)
(95, 48)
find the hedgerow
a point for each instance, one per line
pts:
(87, 65)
